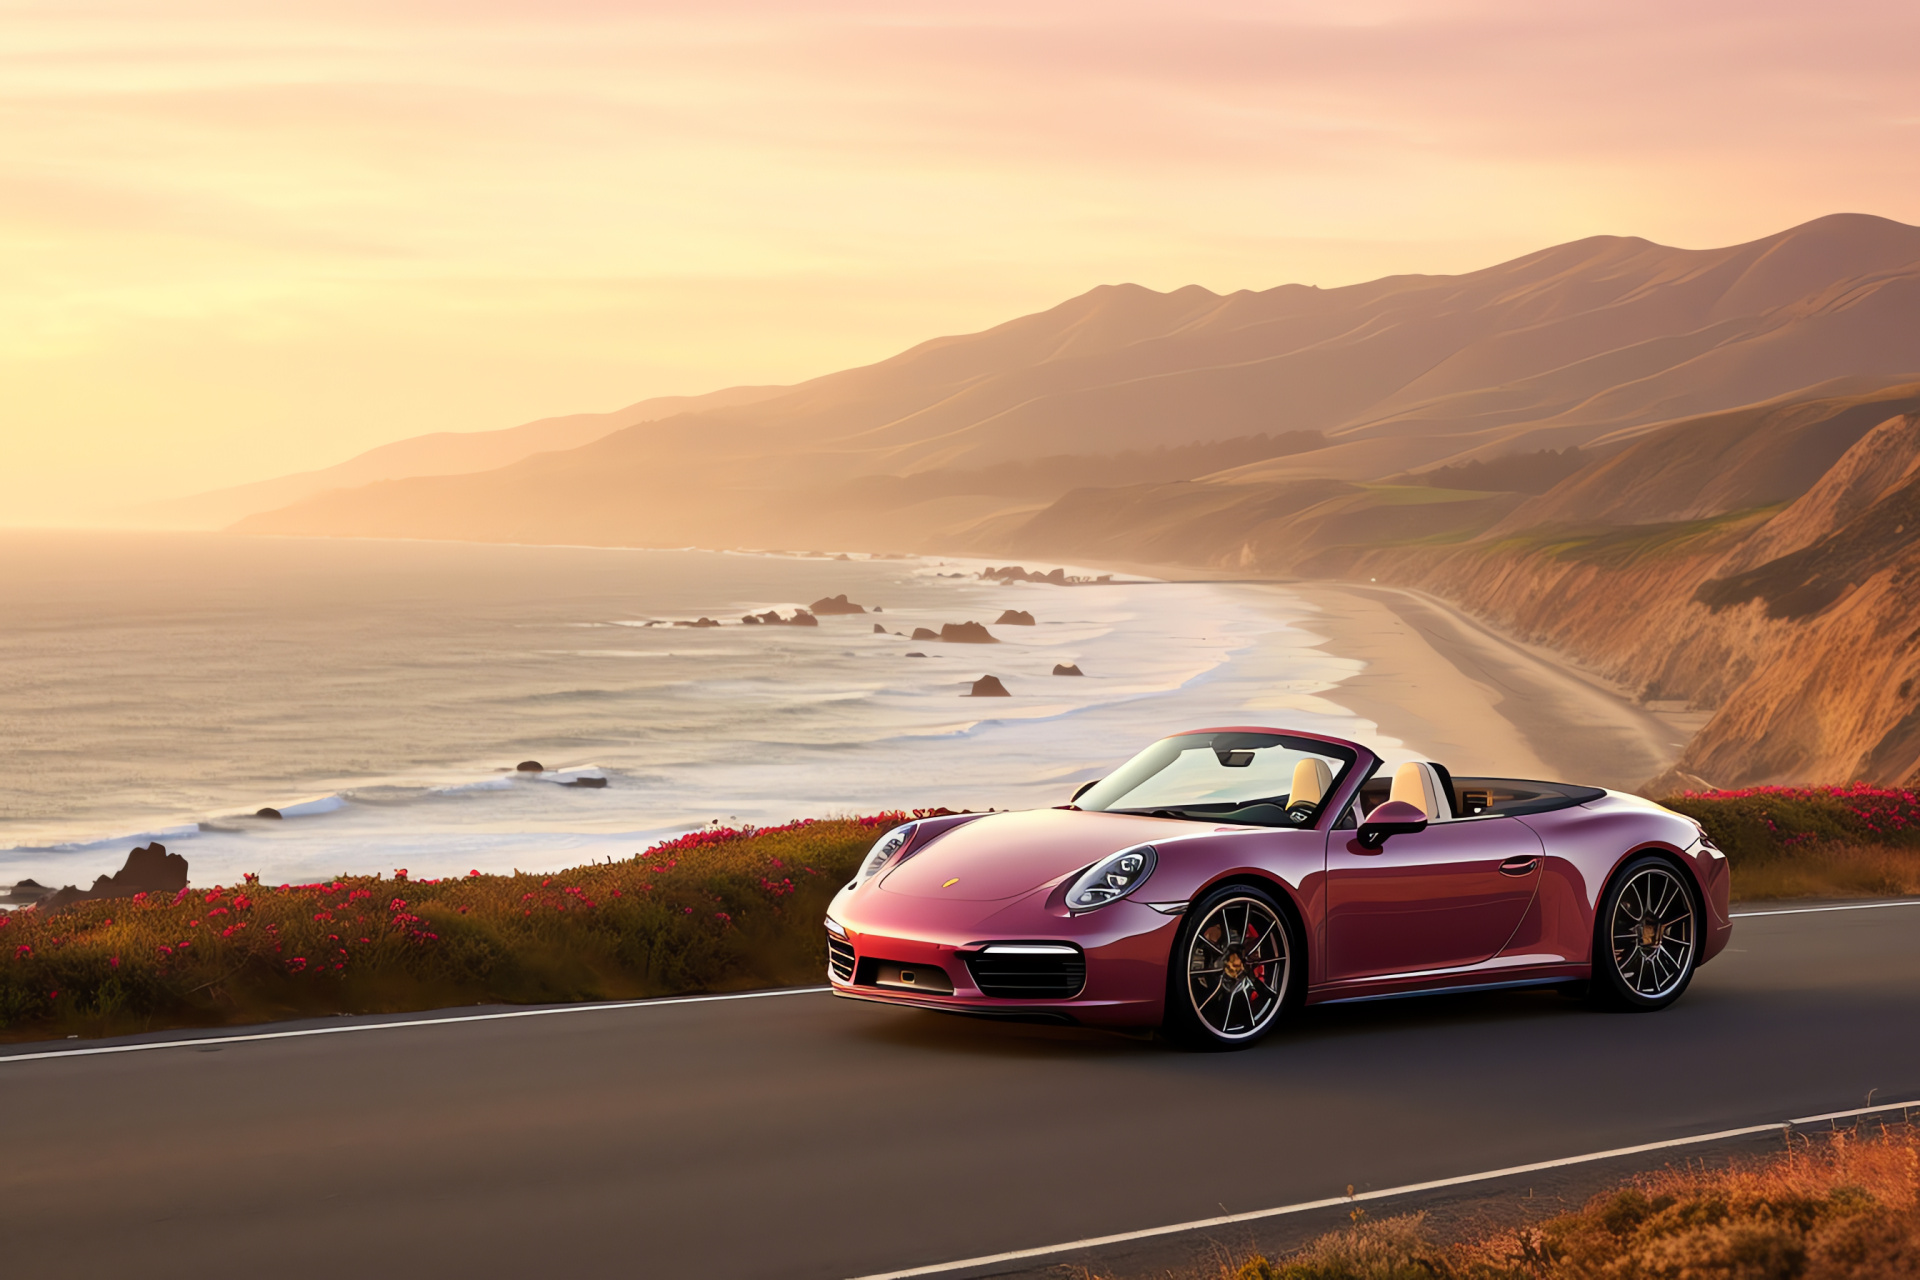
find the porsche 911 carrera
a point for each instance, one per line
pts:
(1224, 877)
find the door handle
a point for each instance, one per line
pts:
(1519, 866)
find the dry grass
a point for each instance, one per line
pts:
(715, 910)
(1813, 842)
(1836, 869)
(1843, 1206)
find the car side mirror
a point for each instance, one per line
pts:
(1083, 788)
(1394, 818)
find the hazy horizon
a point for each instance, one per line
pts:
(250, 244)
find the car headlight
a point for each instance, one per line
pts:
(883, 849)
(1111, 878)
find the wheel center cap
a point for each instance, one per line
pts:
(1650, 935)
(1235, 967)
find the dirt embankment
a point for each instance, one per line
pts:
(1801, 625)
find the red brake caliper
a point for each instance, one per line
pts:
(1259, 970)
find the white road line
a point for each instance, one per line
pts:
(1807, 911)
(626, 1004)
(1016, 1255)
(413, 1022)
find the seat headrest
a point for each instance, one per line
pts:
(1418, 784)
(1311, 782)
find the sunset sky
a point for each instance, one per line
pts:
(241, 239)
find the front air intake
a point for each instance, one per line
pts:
(840, 958)
(1028, 971)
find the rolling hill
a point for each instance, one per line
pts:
(1696, 470)
(438, 453)
(1586, 344)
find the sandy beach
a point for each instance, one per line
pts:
(1481, 702)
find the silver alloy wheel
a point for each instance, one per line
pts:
(1653, 932)
(1237, 968)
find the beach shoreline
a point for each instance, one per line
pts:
(1484, 702)
(357, 706)
(1402, 672)
(1465, 693)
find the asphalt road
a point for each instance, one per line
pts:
(802, 1136)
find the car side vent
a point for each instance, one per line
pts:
(840, 958)
(1028, 971)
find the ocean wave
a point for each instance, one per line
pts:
(814, 721)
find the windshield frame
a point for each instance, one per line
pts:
(1348, 760)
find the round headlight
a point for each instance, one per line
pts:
(1111, 878)
(883, 849)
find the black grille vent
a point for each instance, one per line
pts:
(840, 958)
(1021, 975)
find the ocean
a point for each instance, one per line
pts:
(380, 694)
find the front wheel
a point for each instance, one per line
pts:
(1646, 937)
(1233, 969)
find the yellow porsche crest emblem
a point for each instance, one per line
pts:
(949, 884)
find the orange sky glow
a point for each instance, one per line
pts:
(242, 239)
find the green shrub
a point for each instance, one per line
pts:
(1757, 823)
(714, 910)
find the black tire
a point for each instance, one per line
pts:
(1646, 937)
(1235, 1002)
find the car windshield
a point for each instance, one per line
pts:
(1228, 777)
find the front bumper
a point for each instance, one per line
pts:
(1123, 947)
(1716, 881)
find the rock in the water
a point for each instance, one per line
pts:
(921, 633)
(1014, 573)
(585, 782)
(149, 869)
(703, 622)
(835, 604)
(916, 655)
(25, 893)
(801, 618)
(879, 630)
(771, 618)
(1067, 669)
(966, 633)
(1014, 618)
(267, 812)
(989, 687)
(530, 766)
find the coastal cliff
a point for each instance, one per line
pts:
(1687, 469)
(1799, 624)
(1761, 563)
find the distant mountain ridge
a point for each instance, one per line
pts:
(438, 453)
(1583, 344)
(1697, 470)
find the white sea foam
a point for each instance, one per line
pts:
(741, 725)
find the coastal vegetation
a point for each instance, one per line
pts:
(1805, 842)
(715, 910)
(1843, 1204)
(718, 909)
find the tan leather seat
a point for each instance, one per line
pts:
(1311, 782)
(1416, 783)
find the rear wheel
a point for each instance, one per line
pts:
(1646, 937)
(1233, 969)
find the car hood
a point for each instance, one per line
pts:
(1007, 854)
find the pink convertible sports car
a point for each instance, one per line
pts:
(1223, 876)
